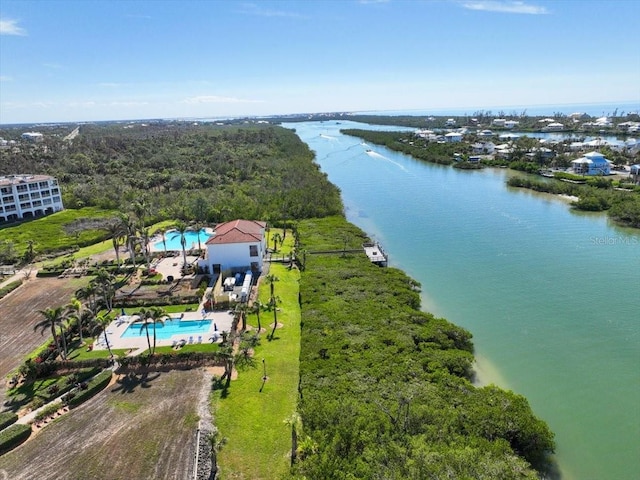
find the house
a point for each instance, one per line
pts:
(511, 124)
(238, 245)
(450, 123)
(33, 137)
(27, 196)
(593, 163)
(453, 137)
(554, 127)
(498, 122)
(483, 147)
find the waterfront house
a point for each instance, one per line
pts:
(498, 122)
(238, 245)
(554, 127)
(511, 124)
(593, 163)
(450, 123)
(453, 137)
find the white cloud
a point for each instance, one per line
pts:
(216, 99)
(10, 27)
(505, 7)
(254, 9)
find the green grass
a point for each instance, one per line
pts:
(258, 441)
(49, 234)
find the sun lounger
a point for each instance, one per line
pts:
(200, 339)
(174, 343)
(190, 340)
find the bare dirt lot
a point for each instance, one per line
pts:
(142, 427)
(19, 314)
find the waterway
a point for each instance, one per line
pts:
(550, 294)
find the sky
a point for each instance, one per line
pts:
(90, 60)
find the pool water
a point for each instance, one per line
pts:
(175, 326)
(172, 239)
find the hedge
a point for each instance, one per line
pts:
(7, 418)
(13, 436)
(96, 384)
(9, 288)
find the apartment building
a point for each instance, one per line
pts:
(28, 196)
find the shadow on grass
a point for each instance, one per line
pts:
(131, 381)
(218, 384)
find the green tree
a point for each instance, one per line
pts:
(54, 317)
(182, 228)
(150, 317)
(116, 231)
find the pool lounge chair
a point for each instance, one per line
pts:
(199, 338)
(190, 340)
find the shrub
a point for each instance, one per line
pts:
(13, 436)
(6, 419)
(96, 384)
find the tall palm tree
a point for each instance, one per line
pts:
(54, 317)
(240, 312)
(271, 279)
(100, 326)
(273, 306)
(117, 233)
(74, 311)
(256, 308)
(276, 238)
(130, 232)
(150, 316)
(182, 229)
(104, 284)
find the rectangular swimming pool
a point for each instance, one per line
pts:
(175, 326)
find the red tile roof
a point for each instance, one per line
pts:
(237, 231)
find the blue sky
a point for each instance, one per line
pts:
(122, 59)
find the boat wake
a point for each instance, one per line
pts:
(328, 137)
(373, 154)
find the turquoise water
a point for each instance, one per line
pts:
(550, 294)
(175, 326)
(172, 238)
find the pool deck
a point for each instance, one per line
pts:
(222, 320)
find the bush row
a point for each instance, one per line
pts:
(13, 436)
(6, 419)
(9, 288)
(96, 384)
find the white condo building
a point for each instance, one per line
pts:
(27, 196)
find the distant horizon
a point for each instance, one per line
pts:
(604, 108)
(64, 61)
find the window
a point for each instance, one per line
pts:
(253, 250)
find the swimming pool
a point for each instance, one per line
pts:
(175, 326)
(172, 238)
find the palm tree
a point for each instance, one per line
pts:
(182, 229)
(52, 318)
(162, 232)
(256, 308)
(271, 280)
(130, 233)
(104, 283)
(273, 305)
(150, 316)
(276, 238)
(100, 326)
(295, 422)
(116, 232)
(240, 313)
(74, 311)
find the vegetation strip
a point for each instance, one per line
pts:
(385, 389)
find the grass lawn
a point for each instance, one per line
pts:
(49, 233)
(258, 440)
